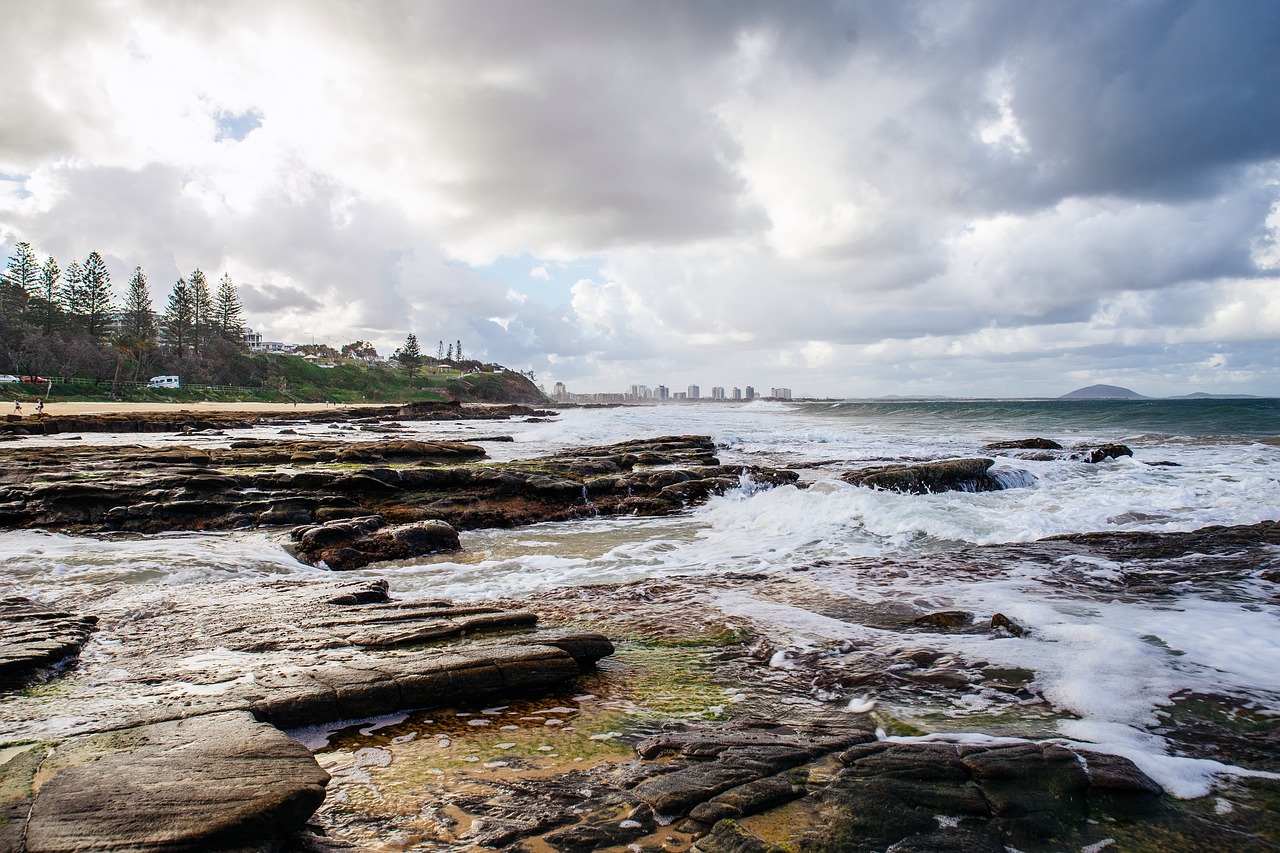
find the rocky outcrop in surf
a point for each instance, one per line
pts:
(306, 482)
(949, 475)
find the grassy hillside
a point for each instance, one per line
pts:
(287, 378)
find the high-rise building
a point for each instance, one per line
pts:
(717, 393)
(694, 392)
(737, 393)
(662, 392)
(559, 392)
(751, 393)
(780, 393)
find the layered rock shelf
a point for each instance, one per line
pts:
(186, 420)
(170, 739)
(269, 482)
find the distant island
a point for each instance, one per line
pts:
(1103, 392)
(1115, 392)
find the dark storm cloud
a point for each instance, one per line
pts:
(1148, 99)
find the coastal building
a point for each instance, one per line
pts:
(780, 393)
(252, 340)
(751, 393)
(662, 392)
(694, 392)
(717, 392)
(680, 395)
(737, 393)
(559, 392)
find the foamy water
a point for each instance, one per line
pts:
(1107, 665)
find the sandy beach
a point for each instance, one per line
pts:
(102, 407)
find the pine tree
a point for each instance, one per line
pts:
(449, 354)
(69, 294)
(139, 321)
(201, 308)
(440, 351)
(227, 311)
(94, 304)
(47, 304)
(178, 316)
(410, 355)
(21, 281)
(457, 351)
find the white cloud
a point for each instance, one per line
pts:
(856, 198)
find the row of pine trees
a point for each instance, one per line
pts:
(79, 299)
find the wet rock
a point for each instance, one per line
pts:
(33, 637)
(1023, 444)
(356, 542)
(1024, 794)
(1115, 774)
(305, 653)
(217, 782)
(1106, 451)
(732, 757)
(965, 475)
(1000, 622)
(401, 480)
(731, 837)
(945, 619)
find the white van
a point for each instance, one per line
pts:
(164, 382)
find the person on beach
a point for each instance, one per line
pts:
(17, 407)
(39, 407)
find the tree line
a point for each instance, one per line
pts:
(410, 356)
(65, 321)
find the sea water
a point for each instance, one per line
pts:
(1106, 664)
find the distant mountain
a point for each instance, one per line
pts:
(1205, 395)
(1103, 392)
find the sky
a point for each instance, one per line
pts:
(994, 198)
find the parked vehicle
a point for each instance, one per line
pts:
(35, 380)
(164, 382)
(9, 377)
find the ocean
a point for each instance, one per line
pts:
(1106, 663)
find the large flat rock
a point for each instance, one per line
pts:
(221, 781)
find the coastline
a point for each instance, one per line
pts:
(118, 408)
(742, 669)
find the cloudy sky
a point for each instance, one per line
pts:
(847, 198)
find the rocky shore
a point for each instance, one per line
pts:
(272, 482)
(299, 714)
(189, 420)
